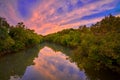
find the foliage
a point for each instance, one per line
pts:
(68, 37)
(97, 46)
(14, 38)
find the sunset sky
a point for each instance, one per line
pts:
(49, 16)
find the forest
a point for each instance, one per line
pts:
(16, 38)
(97, 46)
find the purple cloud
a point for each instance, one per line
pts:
(55, 15)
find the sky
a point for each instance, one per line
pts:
(49, 16)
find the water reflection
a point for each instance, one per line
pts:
(16, 77)
(50, 65)
(15, 64)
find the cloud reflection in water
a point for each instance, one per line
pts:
(51, 65)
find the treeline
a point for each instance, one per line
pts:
(97, 46)
(15, 38)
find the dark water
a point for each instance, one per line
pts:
(47, 62)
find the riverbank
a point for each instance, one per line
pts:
(16, 38)
(51, 58)
(98, 44)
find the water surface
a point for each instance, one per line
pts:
(51, 65)
(47, 62)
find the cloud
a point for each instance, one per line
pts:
(25, 7)
(8, 11)
(50, 65)
(57, 18)
(48, 16)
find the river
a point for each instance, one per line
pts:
(47, 62)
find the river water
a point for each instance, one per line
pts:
(47, 62)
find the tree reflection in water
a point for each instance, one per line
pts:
(51, 65)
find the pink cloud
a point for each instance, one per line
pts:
(51, 65)
(45, 19)
(42, 20)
